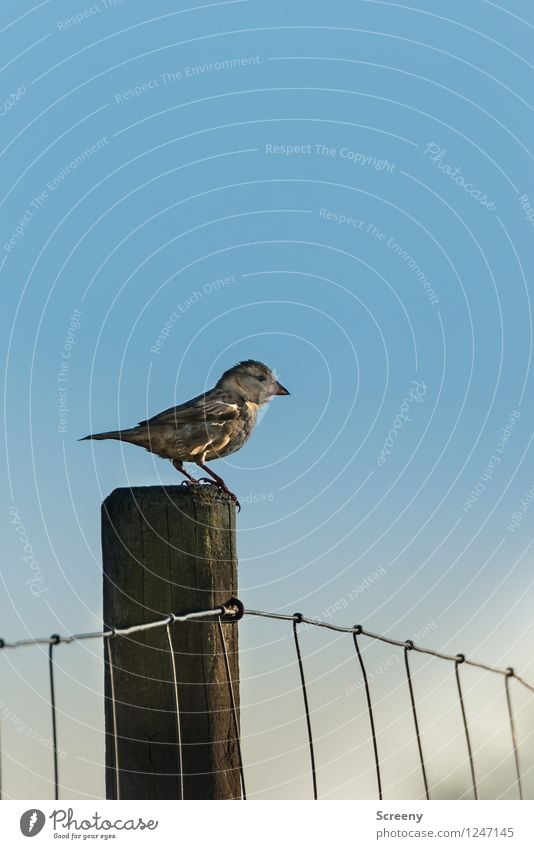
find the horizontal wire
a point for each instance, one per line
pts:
(523, 682)
(358, 629)
(222, 610)
(236, 610)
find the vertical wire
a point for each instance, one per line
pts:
(237, 730)
(114, 718)
(56, 639)
(510, 672)
(1, 796)
(306, 705)
(461, 659)
(407, 647)
(1, 775)
(370, 710)
(177, 714)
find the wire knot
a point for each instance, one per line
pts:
(2, 643)
(298, 617)
(357, 629)
(408, 644)
(55, 639)
(170, 618)
(235, 608)
(460, 658)
(510, 672)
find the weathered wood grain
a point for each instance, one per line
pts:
(170, 550)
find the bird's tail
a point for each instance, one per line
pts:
(110, 434)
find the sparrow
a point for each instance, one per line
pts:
(209, 426)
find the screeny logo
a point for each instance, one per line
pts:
(32, 822)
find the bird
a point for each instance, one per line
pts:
(211, 425)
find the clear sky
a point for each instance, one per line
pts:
(343, 191)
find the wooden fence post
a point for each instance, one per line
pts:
(170, 550)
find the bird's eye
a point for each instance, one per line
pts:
(261, 378)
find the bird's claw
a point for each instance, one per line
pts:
(224, 489)
(234, 498)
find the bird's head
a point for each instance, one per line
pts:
(254, 381)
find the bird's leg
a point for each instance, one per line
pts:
(220, 483)
(179, 466)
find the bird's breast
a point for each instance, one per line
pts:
(251, 409)
(235, 432)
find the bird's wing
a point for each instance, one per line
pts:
(209, 407)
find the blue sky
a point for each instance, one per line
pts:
(344, 192)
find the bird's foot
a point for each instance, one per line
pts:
(223, 488)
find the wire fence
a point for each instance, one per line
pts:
(231, 612)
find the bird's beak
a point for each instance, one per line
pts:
(281, 390)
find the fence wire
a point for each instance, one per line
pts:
(370, 710)
(407, 648)
(306, 703)
(461, 659)
(231, 612)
